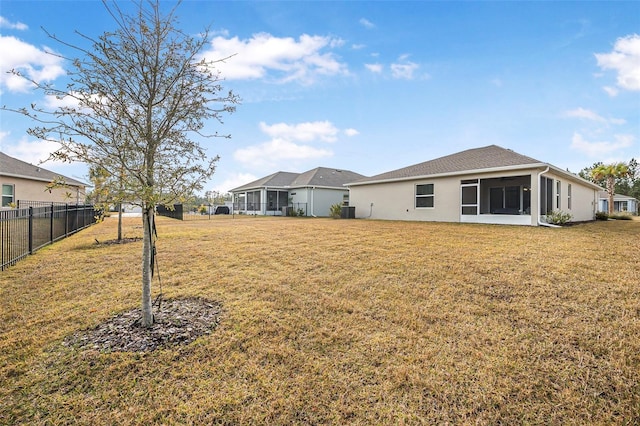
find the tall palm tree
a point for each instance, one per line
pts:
(610, 172)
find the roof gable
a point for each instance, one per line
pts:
(324, 176)
(278, 179)
(10, 166)
(320, 176)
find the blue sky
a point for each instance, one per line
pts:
(372, 86)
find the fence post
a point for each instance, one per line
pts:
(51, 225)
(66, 219)
(30, 230)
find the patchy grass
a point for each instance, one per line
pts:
(336, 322)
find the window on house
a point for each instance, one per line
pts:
(569, 196)
(8, 195)
(558, 186)
(546, 195)
(424, 195)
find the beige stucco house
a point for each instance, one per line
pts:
(24, 182)
(312, 192)
(484, 185)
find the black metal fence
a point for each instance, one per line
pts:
(175, 213)
(193, 211)
(25, 230)
(292, 209)
(199, 212)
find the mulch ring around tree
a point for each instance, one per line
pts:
(120, 241)
(176, 322)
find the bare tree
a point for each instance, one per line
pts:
(135, 99)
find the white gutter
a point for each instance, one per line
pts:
(312, 188)
(540, 223)
(44, 179)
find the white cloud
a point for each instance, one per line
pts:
(586, 114)
(264, 55)
(31, 151)
(592, 116)
(303, 132)
(599, 149)
(232, 181)
(366, 23)
(625, 60)
(611, 91)
(5, 23)
(374, 68)
(34, 63)
(291, 145)
(404, 71)
(269, 154)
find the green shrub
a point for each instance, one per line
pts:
(335, 211)
(558, 217)
(602, 216)
(621, 216)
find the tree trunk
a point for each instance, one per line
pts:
(147, 247)
(610, 190)
(119, 221)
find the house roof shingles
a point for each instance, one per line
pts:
(10, 166)
(323, 176)
(320, 176)
(278, 179)
(487, 157)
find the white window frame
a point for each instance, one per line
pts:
(569, 196)
(469, 183)
(425, 196)
(12, 195)
(558, 195)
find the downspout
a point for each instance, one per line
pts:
(540, 223)
(312, 188)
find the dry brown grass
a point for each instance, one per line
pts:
(336, 322)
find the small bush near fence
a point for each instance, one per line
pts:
(25, 230)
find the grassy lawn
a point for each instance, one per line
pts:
(336, 322)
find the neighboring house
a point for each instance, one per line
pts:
(313, 192)
(621, 203)
(482, 185)
(22, 181)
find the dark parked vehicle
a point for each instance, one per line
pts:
(221, 210)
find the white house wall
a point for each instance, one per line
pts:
(318, 200)
(34, 190)
(396, 200)
(299, 195)
(323, 199)
(583, 198)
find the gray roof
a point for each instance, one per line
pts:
(13, 167)
(605, 196)
(487, 157)
(323, 176)
(320, 176)
(277, 180)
